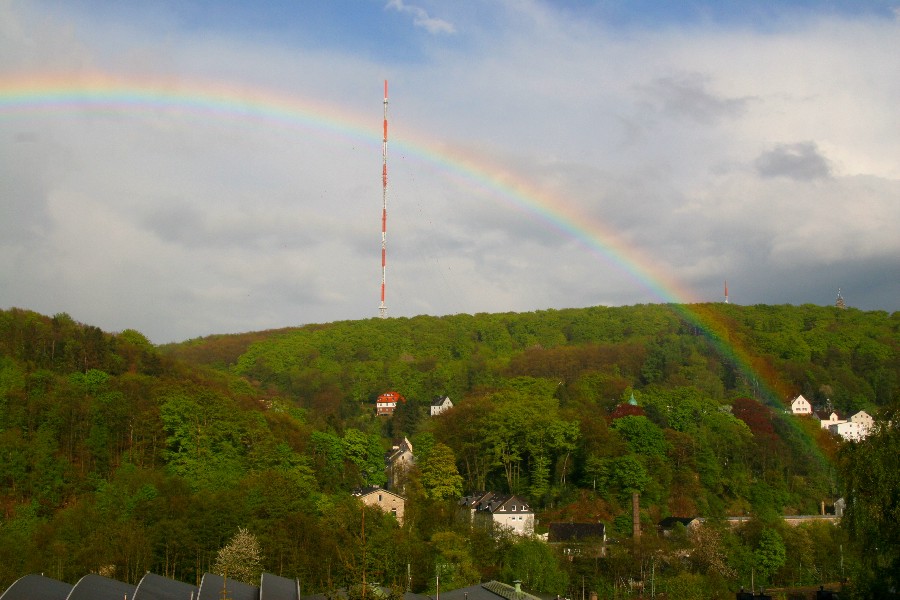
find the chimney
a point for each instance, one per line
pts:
(636, 515)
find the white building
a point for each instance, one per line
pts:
(801, 406)
(833, 419)
(440, 405)
(507, 511)
(848, 430)
(865, 421)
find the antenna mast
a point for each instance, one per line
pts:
(726, 291)
(382, 310)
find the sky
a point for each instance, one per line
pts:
(193, 167)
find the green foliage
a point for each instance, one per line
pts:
(533, 563)
(439, 475)
(120, 457)
(769, 555)
(871, 481)
(644, 437)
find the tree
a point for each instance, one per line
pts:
(532, 562)
(240, 559)
(440, 477)
(769, 555)
(643, 435)
(871, 480)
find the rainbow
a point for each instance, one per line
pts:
(52, 93)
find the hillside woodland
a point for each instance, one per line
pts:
(120, 457)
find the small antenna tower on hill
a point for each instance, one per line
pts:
(382, 310)
(726, 291)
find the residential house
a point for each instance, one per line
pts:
(669, 523)
(854, 429)
(440, 405)
(578, 539)
(387, 403)
(387, 501)
(848, 430)
(801, 406)
(398, 460)
(500, 510)
(832, 418)
(865, 421)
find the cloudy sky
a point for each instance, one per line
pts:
(541, 155)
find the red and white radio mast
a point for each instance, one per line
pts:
(382, 310)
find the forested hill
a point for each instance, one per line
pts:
(846, 356)
(120, 457)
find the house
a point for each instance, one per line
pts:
(440, 405)
(801, 406)
(833, 418)
(854, 429)
(387, 403)
(500, 510)
(491, 590)
(848, 430)
(669, 523)
(398, 460)
(388, 502)
(865, 421)
(578, 539)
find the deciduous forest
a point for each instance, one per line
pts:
(120, 457)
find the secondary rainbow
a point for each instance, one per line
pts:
(54, 93)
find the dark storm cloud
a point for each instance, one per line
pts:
(689, 97)
(801, 161)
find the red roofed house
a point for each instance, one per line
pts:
(387, 403)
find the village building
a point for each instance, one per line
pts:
(578, 539)
(440, 405)
(667, 525)
(506, 511)
(801, 406)
(387, 402)
(398, 461)
(832, 418)
(387, 501)
(865, 421)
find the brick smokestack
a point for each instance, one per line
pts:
(636, 515)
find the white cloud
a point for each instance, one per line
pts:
(421, 18)
(766, 158)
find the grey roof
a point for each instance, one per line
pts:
(575, 532)
(36, 587)
(495, 503)
(273, 587)
(157, 587)
(97, 587)
(670, 522)
(211, 589)
(492, 590)
(439, 400)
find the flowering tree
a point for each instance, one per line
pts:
(240, 559)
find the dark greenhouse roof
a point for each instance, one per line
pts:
(211, 589)
(36, 587)
(97, 587)
(157, 587)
